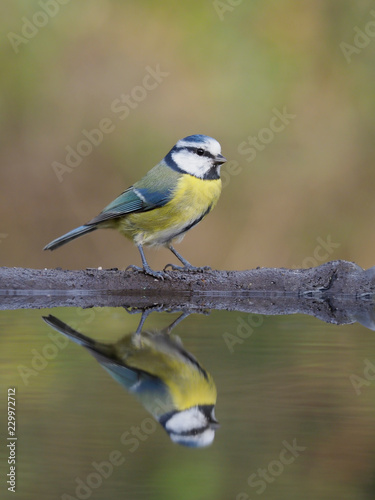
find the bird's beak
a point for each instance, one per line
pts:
(214, 424)
(220, 159)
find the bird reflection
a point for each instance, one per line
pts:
(169, 382)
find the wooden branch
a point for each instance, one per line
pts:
(337, 292)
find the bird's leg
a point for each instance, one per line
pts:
(170, 327)
(144, 316)
(186, 265)
(146, 268)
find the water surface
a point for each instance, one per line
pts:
(295, 402)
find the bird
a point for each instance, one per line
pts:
(167, 380)
(174, 196)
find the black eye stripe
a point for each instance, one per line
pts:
(194, 150)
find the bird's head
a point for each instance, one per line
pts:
(197, 155)
(194, 427)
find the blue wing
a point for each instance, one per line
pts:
(153, 191)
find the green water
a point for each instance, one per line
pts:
(295, 402)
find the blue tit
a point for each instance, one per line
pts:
(172, 198)
(168, 381)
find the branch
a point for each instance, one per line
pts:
(336, 292)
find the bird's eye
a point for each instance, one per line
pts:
(200, 152)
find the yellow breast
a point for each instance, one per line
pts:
(193, 198)
(188, 384)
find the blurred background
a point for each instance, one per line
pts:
(302, 193)
(92, 95)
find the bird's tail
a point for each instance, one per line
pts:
(75, 233)
(68, 331)
(96, 348)
(105, 354)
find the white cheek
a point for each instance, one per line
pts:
(192, 163)
(186, 421)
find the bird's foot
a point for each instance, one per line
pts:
(188, 268)
(160, 275)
